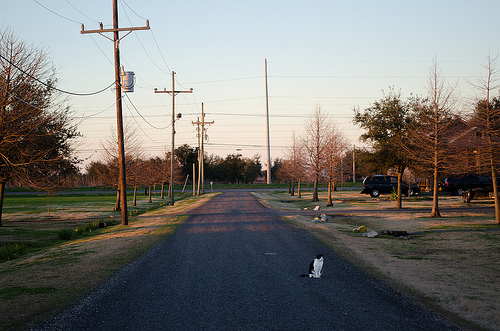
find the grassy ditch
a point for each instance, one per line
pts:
(450, 263)
(63, 257)
(36, 221)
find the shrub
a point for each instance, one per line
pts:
(65, 234)
(11, 251)
(87, 228)
(394, 194)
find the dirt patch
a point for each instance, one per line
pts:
(451, 263)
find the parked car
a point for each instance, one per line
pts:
(378, 184)
(459, 184)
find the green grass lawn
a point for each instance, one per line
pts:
(33, 221)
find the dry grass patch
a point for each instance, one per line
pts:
(451, 263)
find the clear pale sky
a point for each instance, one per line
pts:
(333, 54)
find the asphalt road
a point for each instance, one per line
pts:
(235, 265)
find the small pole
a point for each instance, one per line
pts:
(268, 138)
(353, 164)
(194, 180)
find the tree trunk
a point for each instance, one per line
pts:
(400, 177)
(329, 202)
(298, 189)
(162, 196)
(315, 189)
(293, 187)
(494, 178)
(134, 203)
(117, 204)
(497, 199)
(435, 204)
(48, 204)
(150, 201)
(2, 192)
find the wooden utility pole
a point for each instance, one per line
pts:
(353, 164)
(268, 138)
(194, 180)
(122, 185)
(201, 151)
(199, 155)
(173, 93)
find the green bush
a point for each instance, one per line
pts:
(87, 228)
(394, 194)
(11, 251)
(65, 234)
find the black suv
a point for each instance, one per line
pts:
(459, 184)
(377, 184)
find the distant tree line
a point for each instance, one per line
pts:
(142, 171)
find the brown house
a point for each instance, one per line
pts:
(467, 149)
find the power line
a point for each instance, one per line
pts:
(73, 21)
(360, 77)
(144, 119)
(133, 117)
(161, 54)
(140, 42)
(227, 80)
(52, 87)
(102, 52)
(126, 4)
(57, 14)
(78, 10)
(20, 99)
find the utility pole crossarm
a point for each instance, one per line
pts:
(101, 30)
(198, 122)
(175, 92)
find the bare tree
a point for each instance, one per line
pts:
(487, 117)
(336, 145)
(427, 144)
(35, 123)
(134, 153)
(315, 144)
(294, 165)
(154, 173)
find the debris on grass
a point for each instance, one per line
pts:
(322, 219)
(371, 234)
(361, 229)
(398, 234)
(395, 233)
